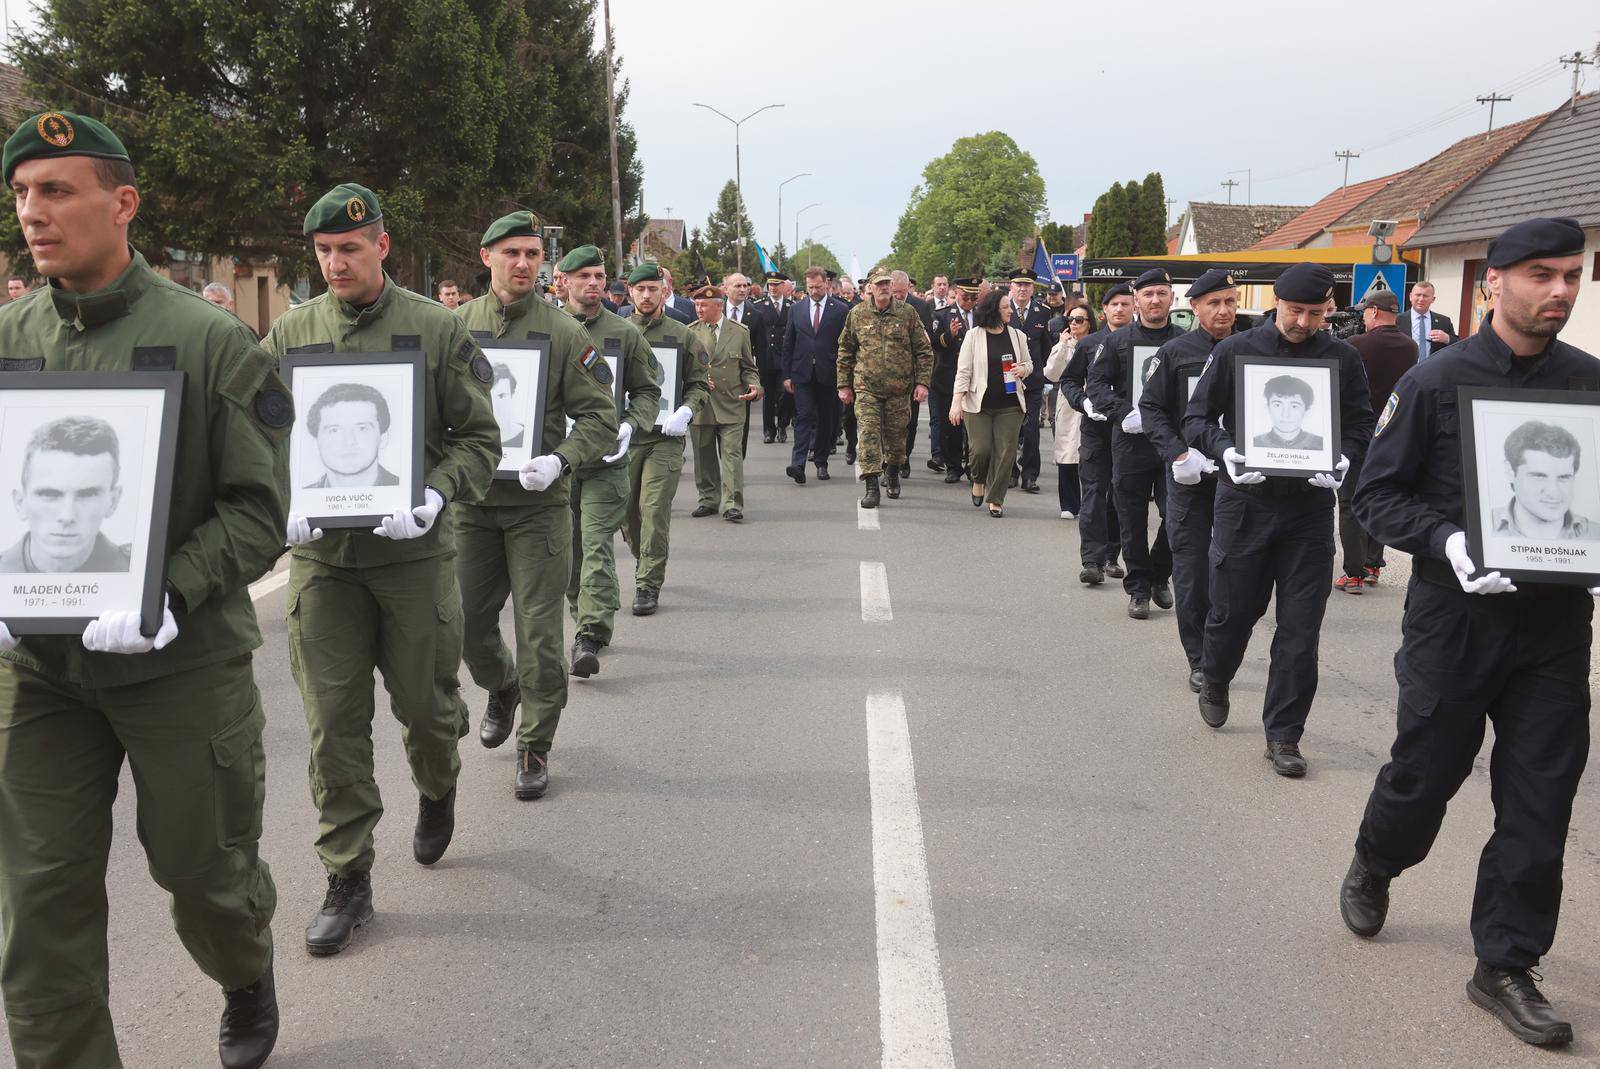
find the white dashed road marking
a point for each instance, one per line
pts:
(875, 593)
(866, 519)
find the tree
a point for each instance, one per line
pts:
(722, 232)
(1150, 217)
(1058, 237)
(780, 256)
(974, 207)
(812, 254)
(1111, 232)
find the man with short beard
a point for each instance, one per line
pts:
(1099, 535)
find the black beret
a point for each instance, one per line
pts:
(581, 257)
(515, 225)
(1121, 289)
(1156, 276)
(649, 271)
(1304, 284)
(61, 133)
(344, 207)
(1526, 240)
(1218, 278)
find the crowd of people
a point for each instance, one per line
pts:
(1146, 413)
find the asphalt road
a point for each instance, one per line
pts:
(727, 869)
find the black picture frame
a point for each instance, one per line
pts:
(532, 354)
(670, 356)
(414, 363)
(1326, 391)
(1483, 414)
(611, 353)
(148, 587)
(1139, 358)
(1188, 379)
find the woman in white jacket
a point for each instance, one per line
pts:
(1080, 323)
(989, 397)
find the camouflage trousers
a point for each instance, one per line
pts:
(881, 421)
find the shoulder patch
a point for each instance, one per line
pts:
(651, 361)
(1389, 408)
(1150, 367)
(601, 372)
(274, 408)
(481, 369)
(463, 351)
(1207, 365)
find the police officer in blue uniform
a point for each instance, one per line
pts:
(1099, 534)
(1137, 475)
(1274, 535)
(1191, 475)
(1476, 645)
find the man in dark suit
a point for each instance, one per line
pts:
(742, 310)
(810, 352)
(1430, 330)
(1032, 317)
(900, 290)
(679, 308)
(777, 404)
(950, 326)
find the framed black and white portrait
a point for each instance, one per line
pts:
(88, 470)
(1288, 414)
(356, 452)
(521, 370)
(1188, 379)
(1530, 462)
(613, 358)
(1140, 369)
(669, 357)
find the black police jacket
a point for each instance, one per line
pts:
(1162, 405)
(1118, 351)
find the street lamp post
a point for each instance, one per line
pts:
(738, 182)
(813, 230)
(786, 181)
(797, 216)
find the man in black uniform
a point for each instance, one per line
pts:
(777, 404)
(1477, 645)
(1126, 354)
(1099, 533)
(1274, 534)
(1191, 481)
(1032, 317)
(950, 326)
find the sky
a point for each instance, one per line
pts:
(1156, 86)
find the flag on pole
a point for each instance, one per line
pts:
(767, 266)
(1041, 263)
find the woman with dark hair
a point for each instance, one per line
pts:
(989, 397)
(1078, 323)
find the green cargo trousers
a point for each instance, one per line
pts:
(525, 553)
(404, 620)
(654, 466)
(881, 421)
(719, 464)
(599, 504)
(199, 774)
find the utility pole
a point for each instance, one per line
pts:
(1577, 61)
(1228, 185)
(786, 181)
(1170, 203)
(616, 180)
(1492, 99)
(738, 182)
(1346, 156)
(797, 215)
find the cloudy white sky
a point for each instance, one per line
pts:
(1096, 93)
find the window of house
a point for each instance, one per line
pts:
(1475, 300)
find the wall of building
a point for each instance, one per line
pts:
(1447, 270)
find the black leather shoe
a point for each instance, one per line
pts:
(1196, 680)
(869, 500)
(703, 510)
(935, 464)
(1510, 995)
(783, 435)
(822, 473)
(1363, 900)
(1114, 570)
(500, 715)
(849, 456)
(952, 475)
(1092, 575)
(797, 472)
(249, 1024)
(346, 907)
(1030, 487)
(733, 516)
(1161, 594)
(905, 469)
(768, 439)
(1138, 608)
(1286, 759)
(1012, 485)
(645, 600)
(436, 823)
(585, 657)
(533, 775)
(891, 483)
(1213, 704)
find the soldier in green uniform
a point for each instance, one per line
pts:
(383, 599)
(600, 488)
(181, 706)
(655, 459)
(517, 542)
(718, 428)
(885, 360)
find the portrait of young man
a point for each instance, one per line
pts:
(1288, 400)
(1542, 469)
(502, 393)
(71, 484)
(350, 424)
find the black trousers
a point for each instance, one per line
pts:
(814, 406)
(1028, 437)
(1067, 489)
(777, 404)
(1099, 533)
(947, 441)
(1263, 547)
(847, 413)
(1189, 513)
(911, 427)
(1137, 477)
(1522, 661)
(1358, 550)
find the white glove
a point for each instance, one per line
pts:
(1324, 481)
(1088, 410)
(540, 472)
(1207, 465)
(1455, 551)
(300, 531)
(1188, 468)
(624, 436)
(677, 424)
(7, 642)
(1133, 423)
(118, 632)
(412, 523)
(1235, 462)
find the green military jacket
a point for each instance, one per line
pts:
(641, 375)
(572, 391)
(729, 366)
(664, 330)
(884, 352)
(231, 477)
(461, 440)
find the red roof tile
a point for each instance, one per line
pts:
(1309, 223)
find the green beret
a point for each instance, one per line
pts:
(581, 257)
(61, 133)
(515, 225)
(649, 271)
(344, 207)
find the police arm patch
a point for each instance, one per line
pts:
(1389, 408)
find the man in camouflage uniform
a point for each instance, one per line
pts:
(885, 361)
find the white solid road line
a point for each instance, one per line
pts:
(866, 519)
(268, 585)
(913, 1021)
(875, 593)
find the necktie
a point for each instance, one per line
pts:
(816, 317)
(1422, 337)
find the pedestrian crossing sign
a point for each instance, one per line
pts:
(1367, 279)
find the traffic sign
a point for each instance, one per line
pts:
(1368, 279)
(1065, 266)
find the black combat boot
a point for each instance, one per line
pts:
(1091, 575)
(891, 482)
(1138, 608)
(1363, 900)
(1510, 995)
(869, 500)
(436, 823)
(533, 776)
(1286, 759)
(585, 657)
(1161, 594)
(249, 1024)
(1214, 704)
(346, 907)
(645, 600)
(499, 715)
